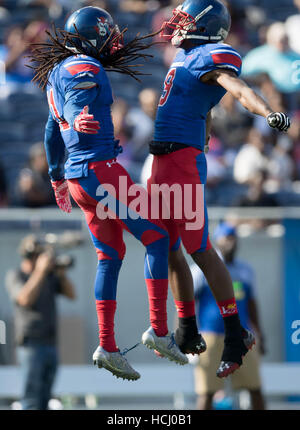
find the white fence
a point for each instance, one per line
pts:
(278, 379)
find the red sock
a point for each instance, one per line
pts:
(185, 309)
(228, 307)
(106, 314)
(157, 296)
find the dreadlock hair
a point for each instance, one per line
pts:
(62, 44)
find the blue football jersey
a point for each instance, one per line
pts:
(186, 101)
(74, 83)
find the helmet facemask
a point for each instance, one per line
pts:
(117, 40)
(178, 26)
(183, 26)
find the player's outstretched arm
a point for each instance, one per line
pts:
(247, 97)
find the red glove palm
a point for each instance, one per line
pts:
(85, 123)
(62, 195)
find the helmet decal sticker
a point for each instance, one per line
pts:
(204, 12)
(102, 27)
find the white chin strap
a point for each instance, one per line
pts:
(84, 45)
(73, 49)
(205, 37)
(180, 37)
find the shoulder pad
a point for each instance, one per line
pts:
(226, 57)
(81, 64)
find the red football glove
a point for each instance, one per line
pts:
(85, 123)
(62, 195)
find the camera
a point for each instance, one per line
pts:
(63, 261)
(33, 245)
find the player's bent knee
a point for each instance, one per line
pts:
(160, 246)
(111, 253)
(203, 257)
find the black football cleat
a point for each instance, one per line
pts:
(190, 343)
(234, 351)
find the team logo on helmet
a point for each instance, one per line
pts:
(102, 26)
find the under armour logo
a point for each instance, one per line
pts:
(110, 164)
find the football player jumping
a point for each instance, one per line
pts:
(72, 69)
(203, 70)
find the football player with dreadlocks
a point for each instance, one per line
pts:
(71, 67)
(203, 70)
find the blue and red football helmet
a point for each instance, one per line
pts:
(98, 27)
(202, 21)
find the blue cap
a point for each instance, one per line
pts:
(223, 230)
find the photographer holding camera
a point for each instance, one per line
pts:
(33, 288)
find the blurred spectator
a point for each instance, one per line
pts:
(33, 289)
(254, 157)
(220, 187)
(275, 99)
(293, 29)
(3, 188)
(276, 59)
(211, 326)
(16, 47)
(33, 186)
(162, 15)
(216, 163)
(238, 37)
(269, 91)
(251, 158)
(138, 6)
(256, 195)
(141, 120)
(281, 166)
(294, 133)
(103, 4)
(231, 122)
(46, 9)
(123, 131)
(4, 13)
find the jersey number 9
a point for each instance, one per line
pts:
(168, 84)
